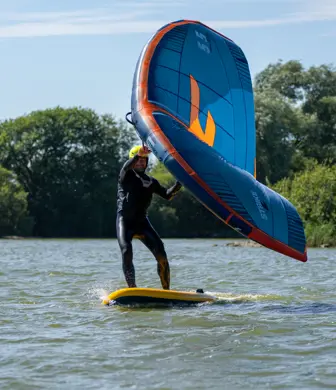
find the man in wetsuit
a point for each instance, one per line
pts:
(135, 191)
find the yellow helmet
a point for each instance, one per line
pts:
(135, 151)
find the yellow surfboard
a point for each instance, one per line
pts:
(136, 296)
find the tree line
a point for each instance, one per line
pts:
(59, 167)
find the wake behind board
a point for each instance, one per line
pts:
(136, 296)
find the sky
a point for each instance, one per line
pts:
(84, 52)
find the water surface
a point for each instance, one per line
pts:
(273, 326)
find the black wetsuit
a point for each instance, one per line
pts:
(135, 192)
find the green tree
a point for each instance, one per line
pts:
(13, 203)
(303, 86)
(317, 138)
(313, 92)
(319, 83)
(68, 161)
(276, 121)
(287, 79)
(313, 193)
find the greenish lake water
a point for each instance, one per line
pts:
(273, 326)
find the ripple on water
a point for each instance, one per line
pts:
(273, 325)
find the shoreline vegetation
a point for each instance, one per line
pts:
(239, 243)
(59, 167)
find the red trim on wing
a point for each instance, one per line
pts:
(270, 242)
(146, 113)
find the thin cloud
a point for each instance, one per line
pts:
(73, 16)
(292, 19)
(123, 7)
(149, 4)
(139, 20)
(45, 16)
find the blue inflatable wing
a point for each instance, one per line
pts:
(192, 104)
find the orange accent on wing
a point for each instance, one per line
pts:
(208, 136)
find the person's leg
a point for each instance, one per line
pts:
(124, 236)
(154, 243)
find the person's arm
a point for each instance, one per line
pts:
(167, 193)
(129, 164)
